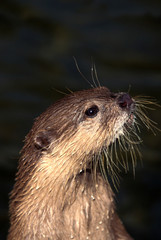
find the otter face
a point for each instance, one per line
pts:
(104, 118)
(88, 120)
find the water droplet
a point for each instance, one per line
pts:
(93, 198)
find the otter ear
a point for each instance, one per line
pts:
(42, 140)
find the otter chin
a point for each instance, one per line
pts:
(61, 190)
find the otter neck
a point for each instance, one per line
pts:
(75, 203)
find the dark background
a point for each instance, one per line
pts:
(38, 40)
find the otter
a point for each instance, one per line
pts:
(61, 191)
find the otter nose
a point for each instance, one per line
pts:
(125, 101)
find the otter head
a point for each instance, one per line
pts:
(80, 125)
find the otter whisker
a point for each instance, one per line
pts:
(133, 142)
(111, 167)
(149, 124)
(93, 76)
(133, 158)
(123, 153)
(96, 75)
(137, 126)
(83, 76)
(102, 167)
(141, 104)
(124, 149)
(110, 161)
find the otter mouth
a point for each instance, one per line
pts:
(130, 121)
(127, 104)
(126, 126)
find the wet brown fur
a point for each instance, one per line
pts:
(55, 196)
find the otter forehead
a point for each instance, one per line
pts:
(97, 93)
(75, 101)
(78, 98)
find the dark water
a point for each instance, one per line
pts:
(38, 40)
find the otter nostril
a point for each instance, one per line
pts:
(125, 100)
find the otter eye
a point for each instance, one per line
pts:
(92, 111)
